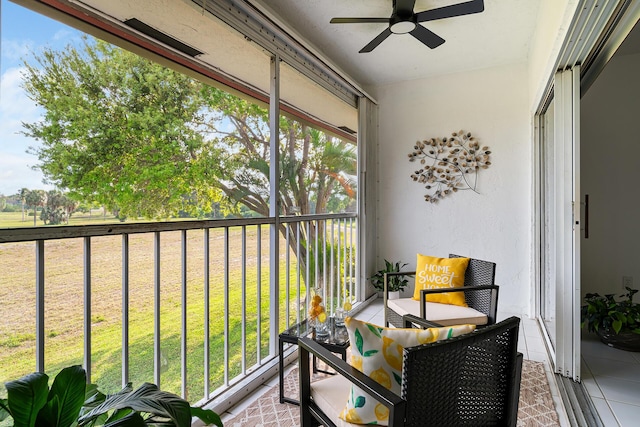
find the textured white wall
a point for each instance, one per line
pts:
(494, 225)
(609, 174)
(553, 21)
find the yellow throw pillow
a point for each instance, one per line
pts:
(378, 352)
(436, 273)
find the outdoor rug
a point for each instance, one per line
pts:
(535, 409)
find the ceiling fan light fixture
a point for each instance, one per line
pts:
(402, 27)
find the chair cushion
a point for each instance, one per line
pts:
(378, 352)
(436, 273)
(329, 394)
(444, 314)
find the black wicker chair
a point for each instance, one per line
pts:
(470, 380)
(481, 295)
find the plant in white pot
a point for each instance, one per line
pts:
(396, 283)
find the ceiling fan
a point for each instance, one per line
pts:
(404, 20)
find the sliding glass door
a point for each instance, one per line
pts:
(559, 210)
(547, 236)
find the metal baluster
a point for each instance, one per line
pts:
(324, 256)
(125, 309)
(298, 272)
(244, 299)
(226, 306)
(288, 277)
(183, 317)
(345, 251)
(40, 305)
(207, 320)
(157, 350)
(351, 260)
(87, 307)
(308, 261)
(259, 293)
(332, 270)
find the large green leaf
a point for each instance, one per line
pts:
(100, 407)
(209, 417)
(92, 396)
(147, 398)
(65, 399)
(115, 417)
(47, 417)
(26, 397)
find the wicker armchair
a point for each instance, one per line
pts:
(470, 380)
(481, 295)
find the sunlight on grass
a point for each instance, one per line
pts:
(64, 309)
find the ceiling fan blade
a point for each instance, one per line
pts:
(427, 37)
(404, 6)
(466, 8)
(358, 20)
(375, 42)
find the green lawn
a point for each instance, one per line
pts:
(14, 219)
(64, 307)
(97, 216)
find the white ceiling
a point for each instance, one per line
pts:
(499, 35)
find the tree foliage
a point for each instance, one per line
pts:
(145, 140)
(35, 199)
(22, 193)
(58, 208)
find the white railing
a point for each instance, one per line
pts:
(215, 274)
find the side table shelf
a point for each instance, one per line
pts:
(303, 329)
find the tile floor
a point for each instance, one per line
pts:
(612, 379)
(530, 345)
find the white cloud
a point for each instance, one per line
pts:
(65, 35)
(16, 173)
(15, 50)
(15, 163)
(14, 102)
(15, 106)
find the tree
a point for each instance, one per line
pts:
(23, 194)
(118, 130)
(35, 198)
(58, 208)
(314, 166)
(144, 140)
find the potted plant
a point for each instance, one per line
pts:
(73, 402)
(396, 283)
(617, 322)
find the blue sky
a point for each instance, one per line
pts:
(22, 32)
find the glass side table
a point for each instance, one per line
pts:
(337, 342)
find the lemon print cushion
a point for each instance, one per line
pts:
(377, 352)
(435, 273)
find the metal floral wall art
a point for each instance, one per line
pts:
(449, 164)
